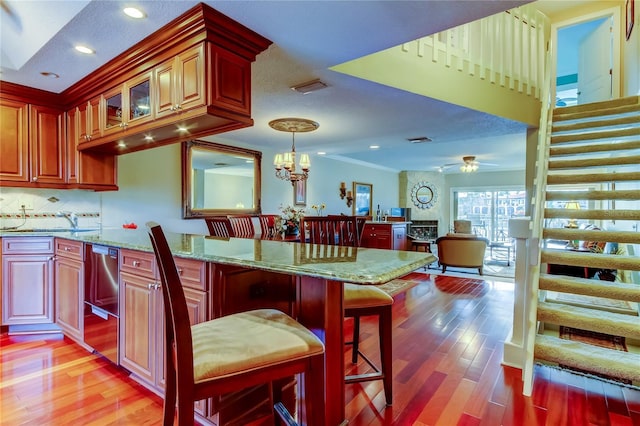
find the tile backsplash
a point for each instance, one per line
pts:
(43, 204)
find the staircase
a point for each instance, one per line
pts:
(596, 146)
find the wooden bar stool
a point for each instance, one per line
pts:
(359, 300)
(232, 352)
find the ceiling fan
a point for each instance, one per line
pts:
(469, 164)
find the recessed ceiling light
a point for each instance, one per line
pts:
(374, 146)
(49, 74)
(419, 139)
(322, 153)
(84, 49)
(134, 12)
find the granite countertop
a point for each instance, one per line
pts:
(354, 264)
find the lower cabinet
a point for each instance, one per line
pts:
(142, 314)
(69, 287)
(27, 280)
(385, 235)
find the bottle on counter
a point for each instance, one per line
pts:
(378, 214)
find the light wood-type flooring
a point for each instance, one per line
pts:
(448, 339)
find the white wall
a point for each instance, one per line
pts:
(151, 189)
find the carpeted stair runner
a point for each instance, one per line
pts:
(596, 144)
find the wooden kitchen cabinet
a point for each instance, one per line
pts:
(385, 235)
(14, 150)
(69, 287)
(142, 339)
(87, 170)
(180, 83)
(128, 105)
(89, 121)
(33, 145)
(27, 280)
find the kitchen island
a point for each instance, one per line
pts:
(317, 271)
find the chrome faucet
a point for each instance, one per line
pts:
(70, 216)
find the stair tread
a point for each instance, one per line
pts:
(590, 259)
(590, 287)
(592, 319)
(592, 147)
(563, 179)
(631, 194)
(597, 135)
(571, 234)
(610, 362)
(593, 124)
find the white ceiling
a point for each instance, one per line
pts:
(308, 38)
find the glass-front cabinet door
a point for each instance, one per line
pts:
(139, 98)
(113, 111)
(128, 105)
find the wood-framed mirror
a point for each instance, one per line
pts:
(219, 180)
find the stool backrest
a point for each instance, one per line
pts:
(179, 344)
(242, 226)
(219, 226)
(331, 230)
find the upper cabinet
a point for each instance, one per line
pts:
(33, 145)
(127, 106)
(194, 74)
(180, 83)
(87, 170)
(189, 79)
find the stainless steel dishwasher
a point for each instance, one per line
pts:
(101, 312)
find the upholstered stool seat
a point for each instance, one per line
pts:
(364, 296)
(249, 340)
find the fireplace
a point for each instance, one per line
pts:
(424, 229)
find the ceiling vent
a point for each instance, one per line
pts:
(420, 139)
(310, 86)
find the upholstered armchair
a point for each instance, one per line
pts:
(463, 252)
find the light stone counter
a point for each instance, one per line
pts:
(357, 265)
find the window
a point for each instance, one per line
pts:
(489, 211)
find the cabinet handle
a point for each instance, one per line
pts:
(180, 271)
(172, 108)
(157, 286)
(34, 179)
(136, 263)
(178, 107)
(67, 249)
(151, 286)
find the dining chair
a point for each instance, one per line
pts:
(359, 300)
(232, 352)
(219, 226)
(242, 226)
(267, 225)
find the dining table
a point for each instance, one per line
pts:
(319, 272)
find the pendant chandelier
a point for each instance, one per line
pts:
(285, 163)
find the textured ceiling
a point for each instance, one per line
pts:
(309, 37)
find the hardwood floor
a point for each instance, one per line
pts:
(448, 338)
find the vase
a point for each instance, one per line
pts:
(291, 231)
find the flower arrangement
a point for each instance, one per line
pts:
(289, 220)
(319, 208)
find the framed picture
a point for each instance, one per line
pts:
(300, 193)
(362, 199)
(630, 13)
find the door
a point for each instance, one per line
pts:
(595, 64)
